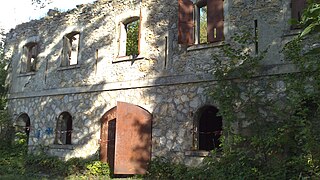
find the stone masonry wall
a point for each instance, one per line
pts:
(173, 109)
(169, 80)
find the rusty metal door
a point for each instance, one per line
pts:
(133, 139)
(105, 155)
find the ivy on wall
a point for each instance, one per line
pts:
(271, 122)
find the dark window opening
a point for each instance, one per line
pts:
(297, 8)
(210, 129)
(64, 129)
(23, 128)
(111, 143)
(311, 108)
(256, 36)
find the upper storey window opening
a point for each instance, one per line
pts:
(70, 51)
(200, 22)
(203, 26)
(30, 53)
(132, 44)
(129, 37)
(297, 7)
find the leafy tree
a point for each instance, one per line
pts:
(132, 46)
(41, 3)
(203, 25)
(311, 18)
(5, 127)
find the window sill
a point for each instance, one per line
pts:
(69, 67)
(205, 46)
(127, 58)
(61, 146)
(197, 153)
(27, 74)
(292, 32)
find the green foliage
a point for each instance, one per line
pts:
(132, 45)
(203, 25)
(43, 164)
(12, 157)
(311, 18)
(15, 161)
(271, 123)
(55, 167)
(267, 127)
(163, 168)
(98, 168)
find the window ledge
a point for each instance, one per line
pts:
(27, 74)
(197, 153)
(292, 32)
(205, 46)
(127, 58)
(62, 146)
(69, 67)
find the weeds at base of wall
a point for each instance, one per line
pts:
(16, 162)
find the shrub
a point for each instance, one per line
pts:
(97, 168)
(162, 168)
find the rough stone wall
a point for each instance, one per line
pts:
(170, 83)
(172, 117)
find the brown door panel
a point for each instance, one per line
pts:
(133, 139)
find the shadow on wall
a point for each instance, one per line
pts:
(133, 132)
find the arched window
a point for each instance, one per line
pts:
(22, 126)
(209, 128)
(64, 129)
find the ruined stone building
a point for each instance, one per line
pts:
(75, 88)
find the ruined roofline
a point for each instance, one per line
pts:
(81, 10)
(56, 14)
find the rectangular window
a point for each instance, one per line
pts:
(70, 51)
(256, 36)
(200, 22)
(132, 43)
(297, 7)
(129, 37)
(203, 24)
(29, 60)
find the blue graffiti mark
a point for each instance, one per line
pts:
(38, 134)
(49, 131)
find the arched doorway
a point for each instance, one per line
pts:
(107, 137)
(22, 126)
(210, 128)
(125, 139)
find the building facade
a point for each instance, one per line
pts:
(75, 88)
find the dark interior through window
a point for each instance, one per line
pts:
(210, 129)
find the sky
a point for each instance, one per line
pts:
(13, 12)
